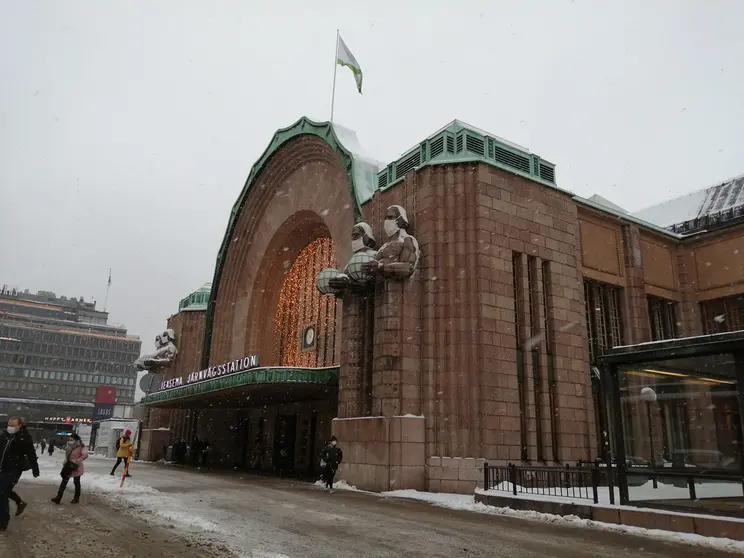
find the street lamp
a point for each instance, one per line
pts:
(648, 395)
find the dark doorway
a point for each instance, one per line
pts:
(285, 435)
(244, 440)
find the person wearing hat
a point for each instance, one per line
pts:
(123, 451)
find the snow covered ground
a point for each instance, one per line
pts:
(264, 517)
(466, 502)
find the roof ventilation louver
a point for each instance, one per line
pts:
(382, 179)
(436, 148)
(407, 164)
(519, 162)
(450, 144)
(458, 142)
(547, 172)
(475, 145)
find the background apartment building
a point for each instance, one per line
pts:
(54, 353)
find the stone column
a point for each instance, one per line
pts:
(689, 317)
(352, 356)
(636, 307)
(397, 371)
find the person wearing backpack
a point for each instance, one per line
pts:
(124, 449)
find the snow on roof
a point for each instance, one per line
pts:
(596, 198)
(365, 167)
(723, 196)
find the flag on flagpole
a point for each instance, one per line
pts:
(345, 58)
(109, 282)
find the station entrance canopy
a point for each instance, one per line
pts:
(249, 388)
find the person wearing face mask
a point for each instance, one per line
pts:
(75, 454)
(398, 257)
(330, 459)
(16, 449)
(22, 433)
(362, 240)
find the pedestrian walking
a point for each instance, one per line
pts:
(15, 448)
(75, 454)
(42, 445)
(51, 446)
(330, 458)
(25, 439)
(205, 453)
(123, 451)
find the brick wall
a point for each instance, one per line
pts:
(445, 340)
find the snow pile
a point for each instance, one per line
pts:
(339, 485)
(464, 502)
(165, 509)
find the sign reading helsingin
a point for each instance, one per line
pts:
(232, 367)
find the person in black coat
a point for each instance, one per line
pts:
(16, 448)
(330, 458)
(26, 462)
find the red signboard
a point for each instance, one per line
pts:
(106, 395)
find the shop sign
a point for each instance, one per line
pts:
(103, 411)
(66, 420)
(232, 367)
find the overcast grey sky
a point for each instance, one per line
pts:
(127, 129)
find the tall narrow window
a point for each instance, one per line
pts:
(549, 344)
(517, 278)
(662, 316)
(605, 329)
(534, 342)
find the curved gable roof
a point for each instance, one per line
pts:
(362, 180)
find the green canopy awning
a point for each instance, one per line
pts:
(254, 377)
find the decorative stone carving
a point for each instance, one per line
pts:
(354, 277)
(399, 256)
(165, 352)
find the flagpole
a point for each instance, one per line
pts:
(335, 69)
(108, 286)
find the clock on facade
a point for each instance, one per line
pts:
(308, 338)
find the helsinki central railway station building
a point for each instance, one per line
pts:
(440, 311)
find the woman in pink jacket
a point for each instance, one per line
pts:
(75, 454)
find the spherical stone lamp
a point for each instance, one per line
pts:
(354, 268)
(323, 280)
(648, 395)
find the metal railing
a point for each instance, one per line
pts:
(581, 481)
(690, 477)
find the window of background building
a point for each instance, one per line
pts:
(721, 315)
(603, 317)
(605, 330)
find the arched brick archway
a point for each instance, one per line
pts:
(300, 230)
(301, 193)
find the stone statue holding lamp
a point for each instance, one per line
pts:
(399, 256)
(334, 282)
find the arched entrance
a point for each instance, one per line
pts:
(305, 321)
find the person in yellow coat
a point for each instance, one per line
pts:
(124, 449)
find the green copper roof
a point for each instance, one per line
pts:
(269, 375)
(197, 300)
(462, 143)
